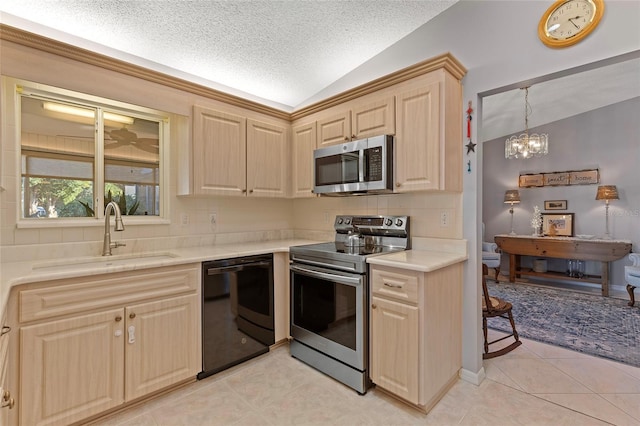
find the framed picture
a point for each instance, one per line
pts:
(555, 205)
(557, 224)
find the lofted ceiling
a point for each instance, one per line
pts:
(277, 52)
(503, 113)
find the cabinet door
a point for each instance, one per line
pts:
(304, 142)
(71, 369)
(335, 129)
(267, 159)
(418, 142)
(162, 344)
(373, 119)
(219, 152)
(395, 348)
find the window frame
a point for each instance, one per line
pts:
(19, 88)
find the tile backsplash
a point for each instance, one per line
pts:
(237, 220)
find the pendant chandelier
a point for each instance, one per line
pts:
(526, 145)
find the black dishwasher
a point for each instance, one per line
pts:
(237, 311)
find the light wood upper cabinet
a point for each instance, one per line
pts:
(234, 155)
(373, 118)
(335, 129)
(219, 152)
(267, 159)
(428, 144)
(416, 332)
(303, 144)
(358, 122)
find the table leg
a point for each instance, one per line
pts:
(512, 268)
(605, 279)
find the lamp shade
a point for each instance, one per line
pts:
(606, 192)
(512, 196)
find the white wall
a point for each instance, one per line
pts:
(604, 139)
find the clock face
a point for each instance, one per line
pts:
(567, 22)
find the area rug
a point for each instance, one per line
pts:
(591, 324)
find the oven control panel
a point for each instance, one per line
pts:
(372, 224)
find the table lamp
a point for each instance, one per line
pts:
(512, 196)
(606, 193)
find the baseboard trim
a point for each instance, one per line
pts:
(471, 377)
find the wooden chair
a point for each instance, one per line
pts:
(495, 307)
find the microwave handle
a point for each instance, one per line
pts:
(361, 176)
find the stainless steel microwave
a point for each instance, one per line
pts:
(357, 167)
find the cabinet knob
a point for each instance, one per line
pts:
(353, 137)
(398, 184)
(346, 138)
(132, 315)
(374, 306)
(251, 191)
(118, 318)
(244, 191)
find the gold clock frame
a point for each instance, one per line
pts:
(588, 29)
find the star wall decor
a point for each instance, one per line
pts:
(471, 147)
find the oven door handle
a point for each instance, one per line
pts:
(352, 281)
(236, 268)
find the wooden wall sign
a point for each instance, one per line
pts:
(572, 177)
(555, 179)
(528, 181)
(584, 177)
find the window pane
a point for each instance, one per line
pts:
(58, 149)
(132, 165)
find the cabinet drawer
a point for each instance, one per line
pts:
(395, 284)
(63, 297)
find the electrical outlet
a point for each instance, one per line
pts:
(213, 220)
(184, 219)
(444, 219)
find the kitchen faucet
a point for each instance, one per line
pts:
(108, 245)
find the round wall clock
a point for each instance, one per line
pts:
(567, 22)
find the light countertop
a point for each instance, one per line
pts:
(418, 260)
(427, 255)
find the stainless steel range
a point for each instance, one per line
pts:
(330, 295)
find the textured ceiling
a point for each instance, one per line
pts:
(282, 52)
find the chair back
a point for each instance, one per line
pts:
(485, 292)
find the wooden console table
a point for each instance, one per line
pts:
(604, 251)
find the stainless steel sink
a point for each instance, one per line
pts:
(102, 262)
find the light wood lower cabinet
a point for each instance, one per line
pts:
(104, 341)
(394, 347)
(416, 332)
(71, 369)
(162, 349)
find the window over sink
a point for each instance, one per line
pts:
(78, 152)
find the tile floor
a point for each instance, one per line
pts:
(536, 384)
